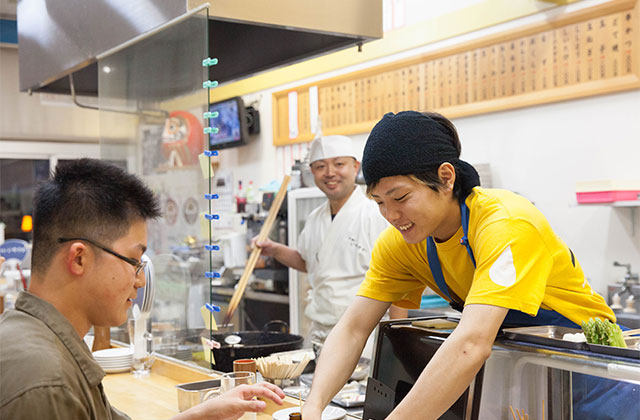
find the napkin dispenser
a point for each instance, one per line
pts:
(402, 351)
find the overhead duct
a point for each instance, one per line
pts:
(57, 38)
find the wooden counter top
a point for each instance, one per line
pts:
(155, 397)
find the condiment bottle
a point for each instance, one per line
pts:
(295, 416)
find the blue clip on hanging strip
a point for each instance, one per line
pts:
(212, 308)
(212, 247)
(210, 153)
(211, 196)
(211, 216)
(209, 84)
(208, 62)
(212, 274)
(210, 115)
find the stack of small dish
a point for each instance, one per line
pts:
(183, 352)
(114, 360)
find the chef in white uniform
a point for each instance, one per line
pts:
(335, 245)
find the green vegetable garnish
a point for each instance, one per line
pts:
(603, 332)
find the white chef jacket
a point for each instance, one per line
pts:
(337, 254)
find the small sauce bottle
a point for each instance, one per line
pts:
(295, 416)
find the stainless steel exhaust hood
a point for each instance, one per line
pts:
(61, 37)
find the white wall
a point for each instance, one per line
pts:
(539, 152)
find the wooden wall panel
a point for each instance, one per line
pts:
(589, 52)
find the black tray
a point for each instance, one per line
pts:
(632, 350)
(547, 335)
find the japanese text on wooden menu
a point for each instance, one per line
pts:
(589, 52)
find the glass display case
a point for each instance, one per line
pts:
(539, 380)
(544, 380)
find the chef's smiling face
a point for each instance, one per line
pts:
(416, 210)
(336, 177)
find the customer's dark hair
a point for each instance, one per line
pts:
(87, 198)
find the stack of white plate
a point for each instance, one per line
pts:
(114, 360)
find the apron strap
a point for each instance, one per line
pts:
(464, 216)
(436, 268)
(434, 262)
(517, 318)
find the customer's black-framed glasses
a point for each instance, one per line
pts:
(139, 265)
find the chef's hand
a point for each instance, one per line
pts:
(234, 403)
(310, 412)
(267, 247)
(282, 253)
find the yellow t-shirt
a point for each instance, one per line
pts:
(521, 263)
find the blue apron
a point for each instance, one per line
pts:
(514, 317)
(594, 398)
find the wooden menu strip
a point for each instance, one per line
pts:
(253, 258)
(487, 41)
(527, 65)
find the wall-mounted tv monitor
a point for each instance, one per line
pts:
(231, 123)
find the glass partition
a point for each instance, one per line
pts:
(152, 100)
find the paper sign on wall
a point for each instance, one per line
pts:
(313, 111)
(209, 320)
(293, 115)
(204, 166)
(208, 353)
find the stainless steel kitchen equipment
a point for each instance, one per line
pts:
(300, 203)
(250, 36)
(402, 351)
(193, 393)
(624, 297)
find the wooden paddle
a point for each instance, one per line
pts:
(253, 258)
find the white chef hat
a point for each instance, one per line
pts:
(331, 147)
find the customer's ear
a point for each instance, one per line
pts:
(77, 258)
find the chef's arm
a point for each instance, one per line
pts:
(341, 352)
(454, 365)
(284, 254)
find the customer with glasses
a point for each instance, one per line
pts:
(89, 237)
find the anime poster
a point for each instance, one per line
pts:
(182, 139)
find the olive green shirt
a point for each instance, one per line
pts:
(46, 369)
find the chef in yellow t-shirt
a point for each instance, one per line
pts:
(490, 252)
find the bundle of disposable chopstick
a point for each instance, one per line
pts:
(281, 367)
(521, 414)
